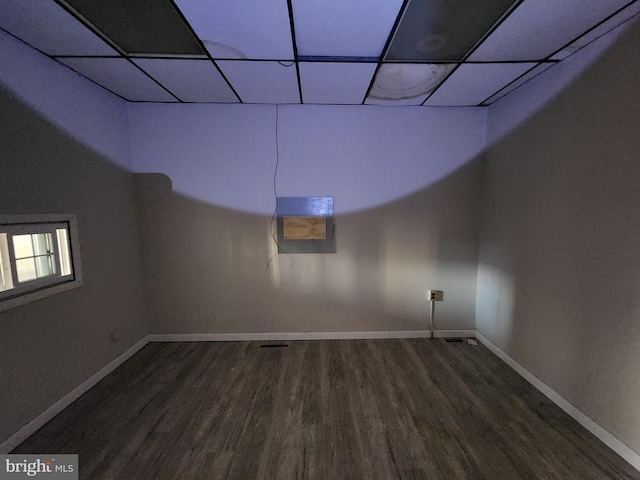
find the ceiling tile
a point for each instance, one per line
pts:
(339, 28)
(254, 29)
(471, 84)
(534, 72)
(121, 77)
(406, 83)
(538, 28)
(189, 80)
(597, 32)
(51, 29)
(436, 30)
(262, 81)
(335, 82)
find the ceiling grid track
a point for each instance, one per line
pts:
(475, 47)
(204, 49)
(82, 19)
(393, 53)
(385, 49)
(294, 43)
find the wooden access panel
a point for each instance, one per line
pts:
(304, 227)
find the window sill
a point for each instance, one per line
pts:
(29, 297)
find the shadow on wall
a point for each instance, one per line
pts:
(50, 346)
(44, 170)
(208, 268)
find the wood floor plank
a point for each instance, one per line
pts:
(322, 410)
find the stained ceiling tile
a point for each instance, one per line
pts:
(538, 28)
(263, 81)
(339, 28)
(335, 82)
(51, 29)
(121, 77)
(471, 84)
(436, 30)
(189, 80)
(407, 102)
(254, 29)
(407, 83)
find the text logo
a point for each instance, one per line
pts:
(45, 467)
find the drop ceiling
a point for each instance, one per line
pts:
(344, 52)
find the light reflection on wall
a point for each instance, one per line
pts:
(495, 304)
(272, 261)
(344, 284)
(407, 245)
(385, 262)
(363, 156)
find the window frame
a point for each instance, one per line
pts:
(46, 286)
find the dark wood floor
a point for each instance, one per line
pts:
(327, 410)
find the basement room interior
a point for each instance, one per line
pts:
(325, 240)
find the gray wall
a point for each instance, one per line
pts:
(559, 262)
(49, 347)
(405, 183)
(206, 266)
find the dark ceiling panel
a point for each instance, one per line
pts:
(140, 26)
(443, 30)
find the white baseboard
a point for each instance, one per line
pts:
(248, 337)
(31, 427)
(603, 435)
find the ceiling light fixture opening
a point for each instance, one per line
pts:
(221, 50)
(400, 81)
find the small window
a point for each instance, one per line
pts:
(39, 256)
